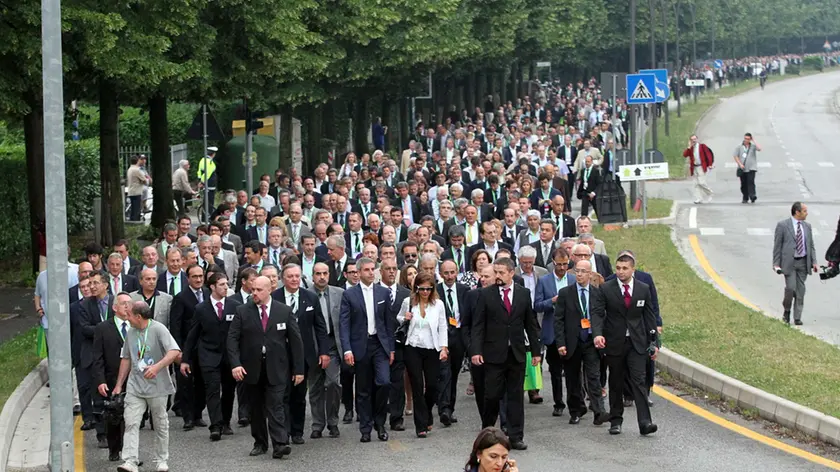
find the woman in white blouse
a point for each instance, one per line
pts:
(425, 347)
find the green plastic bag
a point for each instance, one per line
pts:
(41, 343)
(533, 375)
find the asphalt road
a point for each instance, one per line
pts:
(685, 442)
(796, 122)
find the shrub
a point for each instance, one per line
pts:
(813, 62)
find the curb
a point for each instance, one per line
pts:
(15, 406)
(769, 406)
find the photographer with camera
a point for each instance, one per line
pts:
(832, 257)
(108, 340)
(794, 257)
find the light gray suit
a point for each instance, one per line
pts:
(231, 265)
(325, 384)
(163, 303)
(795, 269)
(237, 243)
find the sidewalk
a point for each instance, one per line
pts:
(30, 449)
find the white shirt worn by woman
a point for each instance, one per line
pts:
(429, 332)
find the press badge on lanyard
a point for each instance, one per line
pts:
(144, 360)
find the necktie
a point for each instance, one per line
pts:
(262, 239)
(117, 286)
(124, 330)
(293, 305)
(469, 235)
(219, 309)
(800, 240)
(584, 333)
(506, 299)
(449, 299)
(275, 257)
(407, 212)
(460, 265)
(325, 310)
(172, 286)
(546, 254)
(559, 231)
(199, 296)
(627, 297)
(393, 294)
(294, 233)
(358, 243)
(264, 318)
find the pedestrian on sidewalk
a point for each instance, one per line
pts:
(747, 167)
(701, 159)
(794, 257)
(148, 352)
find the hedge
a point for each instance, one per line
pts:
(82, 165)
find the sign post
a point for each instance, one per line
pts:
(642, 173)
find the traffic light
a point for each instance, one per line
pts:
(252, 124)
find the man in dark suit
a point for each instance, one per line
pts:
(502, 317)
(108, 339)
(396, 391)
(544, 302)
(325, 384)
(546, 245)
(191, 387)
(510, 230)
(306, 309)
(265, 349)
(405, 202)
(565, 224)
(369, 347)
(206, 342)
(338, 260)
(457, 251)
(624, 327)
(173, 280)
(121, 248)
(83, 292)
(541, 198)
(95, 310)
(589, 180)
(118, 281)
(453, 294)
(489, 241)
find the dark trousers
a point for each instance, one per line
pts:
(477, 374)
(192, 400)
(373, 382)
(84, 383)
(134, 214)
(507, 378)
(631, 364)
(242, 411)
(449, 372)
(748, 185)
(586, 356)
(585, 202)
(266, 402)
(570, 189)
(347, 376)
(219, 388)
(556, 365)
(179, 201)
(396, 392)
(423, 366)
(296, 405)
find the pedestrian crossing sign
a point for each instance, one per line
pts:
(640, 89)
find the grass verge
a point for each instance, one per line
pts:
(656, 208)
(707, 327)
(17, 359)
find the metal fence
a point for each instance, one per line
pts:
(177, 152)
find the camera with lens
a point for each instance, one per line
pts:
(113, 409)
(829, 272)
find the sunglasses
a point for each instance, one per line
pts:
(424, 289)
(409, 256)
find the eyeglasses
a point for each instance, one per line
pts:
(409, 256)
(578, 254)
(424, 289)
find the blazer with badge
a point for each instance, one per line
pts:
(494, 331)
(460, 295)
(281, 339)
(310, 320)
(208, 334)
(612, 320)
(107, 348)
(543, 302)
(568, 315)
(354, 324)
(162, 306)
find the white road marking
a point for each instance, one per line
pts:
(712, 231)
(825, 164)
(759, 231)
(692, 217)
(795, 165)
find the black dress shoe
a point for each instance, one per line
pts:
(600, 418)
(281, 451)
(334, 432)
(400, 426)
(786, 317)
(615, 429)
(87, 426)
(177, 412)
(445, 419)
(452, 418)
(215, 435)
(365, 438)
(244, 422)
(348, 417)
(114, 456)
(102, 442)
(77, 410)
(226, 431)
(518, 445)
(797, 322)
(628, 403)
(258, 451)
(558, 411)
(575, 419)
(316, 435)
(189, 425)
(297, 440)
(382, 434)
(200, 423)
(648, 428)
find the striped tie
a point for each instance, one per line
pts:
(800, 241)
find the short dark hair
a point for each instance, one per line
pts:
(627, 258)
(121, 242)
(795, 208)
(505, 261)
(92, 248)
(408, 244)
(253, 245)
(216, 277)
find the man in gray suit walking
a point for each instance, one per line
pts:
(324, 383)
(794, 257)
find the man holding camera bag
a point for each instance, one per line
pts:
(747, 167)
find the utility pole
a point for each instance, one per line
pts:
(653, 107)
(631, 109)
(693, 34)
(204, 138)
(665, 59)
(58, 335)
(678, 67)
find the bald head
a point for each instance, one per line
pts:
(261, 290)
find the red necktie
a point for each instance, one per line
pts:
(627, 297)
(264, 317)
(506, 299)
(219, 309)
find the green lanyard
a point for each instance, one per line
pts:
(584, 307)
(141, 348)
(588, 171)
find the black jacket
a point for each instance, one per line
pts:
(207, 337)
(88, 319)
(310, 320)
(107, 347)
(494, 331)
(611, 319)
(181, 314)
(567, 316)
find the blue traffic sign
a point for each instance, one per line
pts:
(718, 64)
(641, 89)
(662, 90)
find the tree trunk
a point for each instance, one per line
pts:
(503, 88)
(285, 151)
(360, 125)
(452, 92)
(110, 168)
(513, 87)
(481, 89)
(329, 129)
(386, 121)
(33, 133)
(164, 208)
(521, 85)
(470, 93)
(314, 154)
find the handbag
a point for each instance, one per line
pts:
(401, 333)
(739, 172)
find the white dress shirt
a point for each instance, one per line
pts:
(454, 309)
(293, 300)
(367, 292)
(531, 284)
